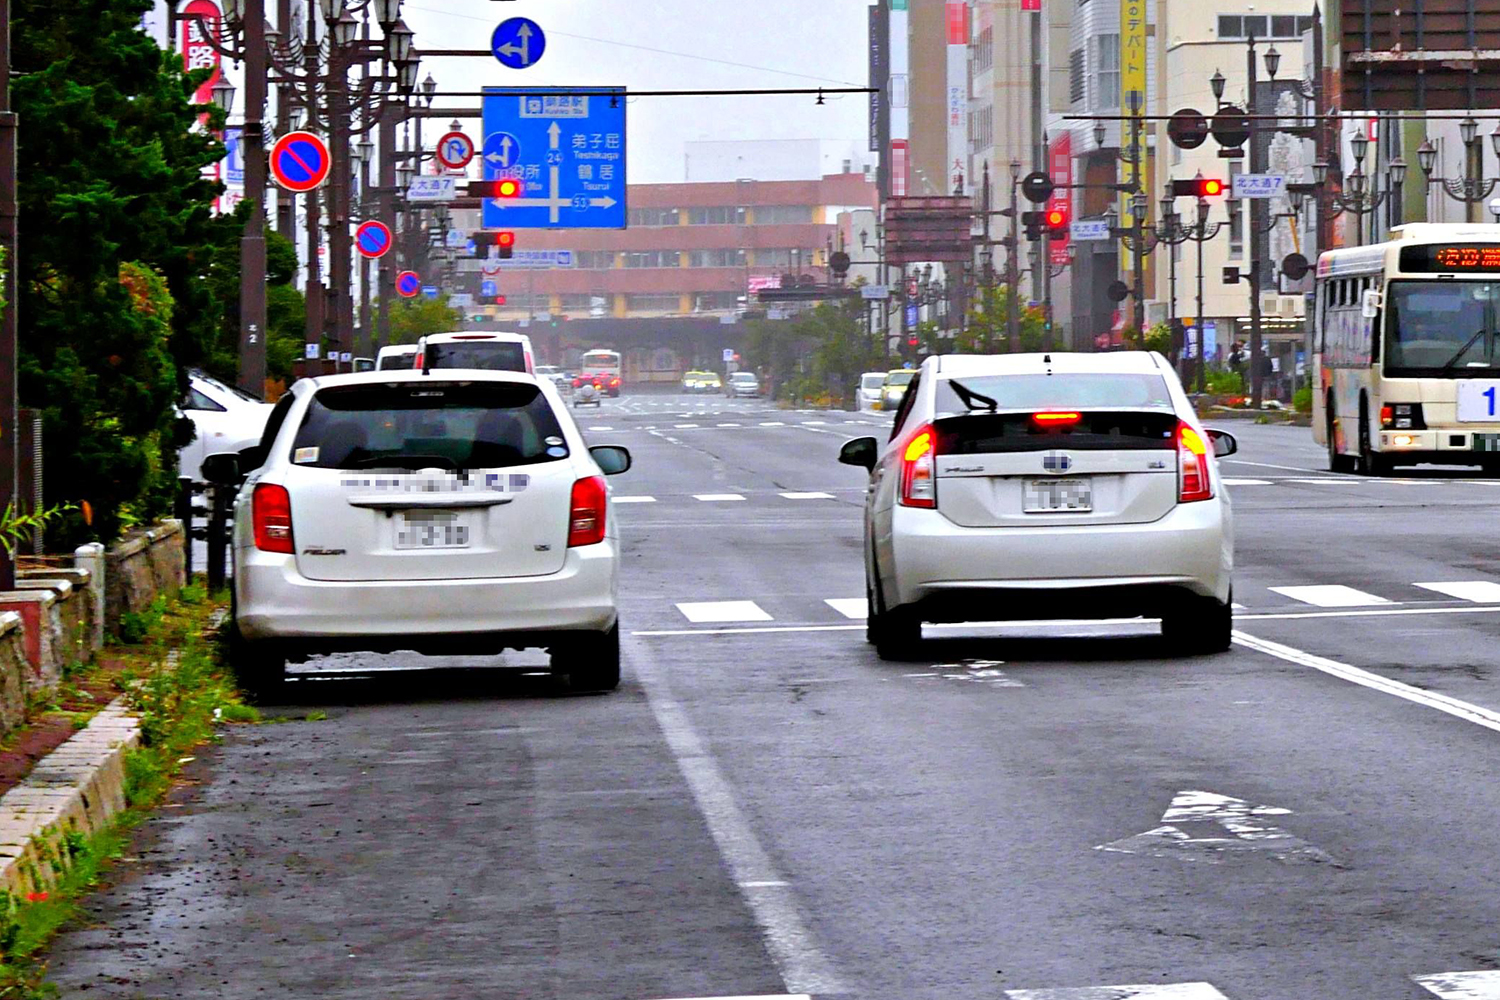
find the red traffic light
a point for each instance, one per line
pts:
(1056, 218)
(499, 300)
(912, 342)
(1211, 186)
(1198, 187)
(505, 239)
(506, 187)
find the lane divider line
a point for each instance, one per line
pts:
(1354, 675)
(802, 965)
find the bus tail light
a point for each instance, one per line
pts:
(1402, 416)
(1192, 466)
(271, 515)
(918, 485)
(586, 512)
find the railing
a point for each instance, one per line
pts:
(215, 532)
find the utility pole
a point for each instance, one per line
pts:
(8, 326)
(1039, 148)
(1012, 272)
(340, 324)
(286, 202)
(253, 241)
(1198, 323)
(316, 300)
(1138, 204)
(1256, 166)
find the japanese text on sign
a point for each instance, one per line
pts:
(1259, 185)
(432, 189)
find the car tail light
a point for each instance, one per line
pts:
(1056, 418)
(586, 512)
(530, 368)
(1192, 466)
(614, 382)
(918, 487)
(271, 513)
(420, 359)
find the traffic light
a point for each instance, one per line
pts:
(1032, 222)
(505, 187)
(506, 241)
(499, 300)
(1057, 223)
(1198, 187)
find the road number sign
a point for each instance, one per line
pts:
(1478, 401)
(299, 161)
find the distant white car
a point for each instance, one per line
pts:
(397, 357)
(1046, 486)
(869, 390)
(496, 352)
(224, 419)
(557, 375)
(741, 385)
(457, 512)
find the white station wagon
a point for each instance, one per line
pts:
(1046, 486)
(458, 512)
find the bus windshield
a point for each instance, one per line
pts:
(1449, 329)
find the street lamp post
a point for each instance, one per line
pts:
(1012, 270)
(1469, 187)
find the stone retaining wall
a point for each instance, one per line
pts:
(141, 566)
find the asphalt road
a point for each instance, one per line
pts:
(766, 808)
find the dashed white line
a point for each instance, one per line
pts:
(717, 497)
(1478, 591)
(723, 611)
(731, 424)
(773, 423)
(849, 607)
(808, 496)
(684, 426)
(600, 427)
(1333, 595)
(1246, 482)
(635, 499)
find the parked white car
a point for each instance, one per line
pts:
(224, 419)
(497, 352)
(459, 512)
(1046, 486)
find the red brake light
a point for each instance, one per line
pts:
(918, 487)
(419, 358)
(614, 381)
(530, 368)
(1192, 466)
(586, 512)
(271, 514)
(1057, 418)
(1386, 416)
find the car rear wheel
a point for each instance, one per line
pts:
(895, 634)
(259, 671)
(1199, 626)
(591, 662)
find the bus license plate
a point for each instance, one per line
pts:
(436, 529)
(1479, 401)
(1066, 495)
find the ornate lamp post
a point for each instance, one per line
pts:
(1469, 187)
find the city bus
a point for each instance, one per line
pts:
(1406, 350)
(603, 367)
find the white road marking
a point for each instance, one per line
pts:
(1212, 828)
(1483, 985)
(684, 426)
(1154, 991)
(1431, 699)
(776, 996)
(731, 425)
(1325, 480)
(808, 496)
(1289, 468)
(802, 966)
(849, 607)
(814, 423)
(1478, 591)
(1333, 595)
(717, 497)
(773, 423)
(763, 884)
(635, 499)
(1246, 482)
(600, 427)
(723, 611)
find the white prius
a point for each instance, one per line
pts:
(1046, 486)
(455, 512)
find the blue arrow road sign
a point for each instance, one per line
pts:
(569, 155)
(488, 288)
(429, 291)
(518, 42)
(501, 150)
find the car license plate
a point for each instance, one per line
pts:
(1044, 496)
(436, 529)
(1479, 401)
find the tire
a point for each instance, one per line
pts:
(1336, 461)
(1199, 626)
(1371, 462)
(591, 662)
(259, 671)
(895, 634)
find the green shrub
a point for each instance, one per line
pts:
(1302, 399)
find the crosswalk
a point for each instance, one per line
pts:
(794, 609)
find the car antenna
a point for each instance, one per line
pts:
(1046, 359)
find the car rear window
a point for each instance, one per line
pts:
(742, 377)
(397, 362)
(1093, 390)
(871, 381)
(458, 425)
(901, 378)
(488, 355)
(1096, 430)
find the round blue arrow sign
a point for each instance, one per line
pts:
(518, 42)
(373, 238)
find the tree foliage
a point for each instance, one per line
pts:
(413, 318)
(116, 245)
(817, 355)
(988, 329)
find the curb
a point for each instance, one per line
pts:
(77, 788)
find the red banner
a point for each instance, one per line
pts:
(197, 53)
(899, 167)
(958, 23)
(1060, 167)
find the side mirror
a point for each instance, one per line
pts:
(611, 459)
(222, 469)
(861, 452)
(251, 458)
(1223, 442)
(1369, 307)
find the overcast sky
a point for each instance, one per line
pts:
(670, 45)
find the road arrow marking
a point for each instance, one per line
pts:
(1159, 991)
(1462, 985)
(1206, 826)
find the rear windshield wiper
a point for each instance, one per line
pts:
(1464, 349)
(973, 400)
(403, 462)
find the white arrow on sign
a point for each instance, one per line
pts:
(1206, 826)
(1157, 991)
(524, 49)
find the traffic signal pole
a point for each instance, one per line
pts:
(1256, 166)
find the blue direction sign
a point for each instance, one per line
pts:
(518, 42)
(488, 288)
(429, 291)
(568, 151)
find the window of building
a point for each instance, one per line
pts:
(984, 50)
(705, 301)
(716, 258)
(653, 258)
(653, 216)
(1107, 71)
(1075, 76)
(1279, 26)
(783, 214)
(652, 303)
(595, 260)
(716, 215)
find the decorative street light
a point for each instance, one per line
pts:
(1470, 186)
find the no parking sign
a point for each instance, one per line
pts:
(408, 284)
(373, 238)
(299, 161)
